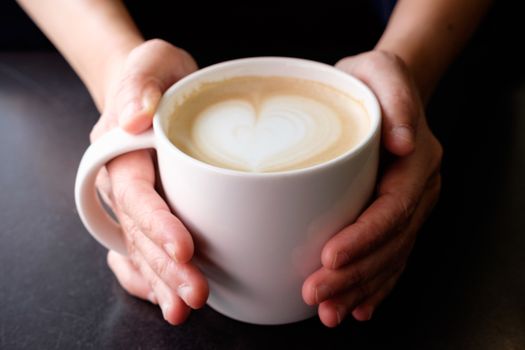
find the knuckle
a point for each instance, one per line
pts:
(389, 59)
(375, 62)
(128, 84)
(407, 206)
(132, 84)
(154, 282)
(402, 206)
(398, 209)
(130, 237)
(133, 258)
(377, 59)
(143, 218)
(121, 195)
(355, 278)
(134, 262)
(345, 63)
(163, 46)
(156, 42)
(384, 60)
(160, 265)
(374, 232)
(146, 221)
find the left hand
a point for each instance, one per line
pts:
(158, 266)
(362, 263)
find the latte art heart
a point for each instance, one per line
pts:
(282, 130)
(266, 124)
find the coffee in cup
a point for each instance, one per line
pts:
(266, 123)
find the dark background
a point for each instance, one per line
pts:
(224, 30)
(464, 287)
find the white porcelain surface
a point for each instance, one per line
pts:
(258, 236)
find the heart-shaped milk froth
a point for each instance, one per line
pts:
(277, 132)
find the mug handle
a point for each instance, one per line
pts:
(94, 217)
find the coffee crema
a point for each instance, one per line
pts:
(267, 124)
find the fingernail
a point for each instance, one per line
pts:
(150, 99)
(152, 298)
(185, 291)
(403, 132)
(340, 259)
(322, 292)
(369, 315)
(363, 313)
(340, 313)
(165, 310)
(129, 112)
(170, 250)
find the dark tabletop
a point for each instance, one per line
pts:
(464, 287)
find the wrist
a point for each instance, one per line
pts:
(111, 67)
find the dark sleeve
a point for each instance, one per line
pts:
(384, 8)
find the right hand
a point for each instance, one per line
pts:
(158, 266)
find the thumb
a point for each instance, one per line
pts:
(389, 79)
(148, 71)
(139, 102)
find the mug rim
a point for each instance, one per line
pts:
(374, 115)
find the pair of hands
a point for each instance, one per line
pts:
(360, 264)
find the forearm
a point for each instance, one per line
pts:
(93, 35)
(427, 35)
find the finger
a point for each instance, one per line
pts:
(129, 278)
(325, 283)
(333, 311)
(390, 80)
(137, 99)
(380, 223)
(399, 193)
(104, 187)
(149, 70)
(174, 310)
(365, 310)
(132, 178)
(184, 279)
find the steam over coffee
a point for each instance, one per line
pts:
(267, 124)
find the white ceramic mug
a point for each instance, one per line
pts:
(258, 235)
